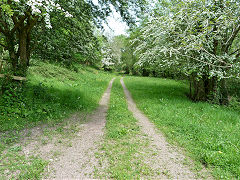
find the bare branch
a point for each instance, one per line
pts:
(17, 78)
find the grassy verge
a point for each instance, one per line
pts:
(50, 94)
(209, 133)
(123, 144)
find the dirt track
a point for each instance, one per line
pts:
(169, 161)
(79, 161)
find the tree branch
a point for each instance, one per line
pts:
(214, 56)
(14, 18)
(2, 31)
(3, 45)
(210, 64)
(32, 23)
(234, 52)
(231, 39)
(18, 24)
(4, 24)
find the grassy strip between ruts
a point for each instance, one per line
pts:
(123, 146)
(208, 132)
(51, 94)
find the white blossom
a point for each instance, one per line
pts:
(185, 39)
(42, 8)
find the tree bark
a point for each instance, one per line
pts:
(190, 86)
(23, 47)
(224, 92)
(28, 48)
(204, 89)
(11, 50)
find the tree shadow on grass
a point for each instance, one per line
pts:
(171, 91)
(39, 104)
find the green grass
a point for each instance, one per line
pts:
(16, 166)
(51, 94)
(209, 133)
(123, 144)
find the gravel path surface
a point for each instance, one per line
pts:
(74, 157)
(169, 161)
(78, 161)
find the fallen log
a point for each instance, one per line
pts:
(17, 78)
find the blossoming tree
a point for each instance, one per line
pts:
(19, 17)
(201, 39)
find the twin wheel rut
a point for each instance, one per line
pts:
(79, 161)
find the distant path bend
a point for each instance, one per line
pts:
(168, 160)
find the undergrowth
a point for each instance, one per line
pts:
(209, 133)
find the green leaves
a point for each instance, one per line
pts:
(193, 31)
(196, 39)
(7, 9)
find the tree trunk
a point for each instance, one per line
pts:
(127, 71)
(204, 89)
(12, 54)
(23, 48)
(199, 90)
(145, 72)
(214, 90)
(28, 48)
(207, 87)
(190, 86)
(24, 51)
(224, 92)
